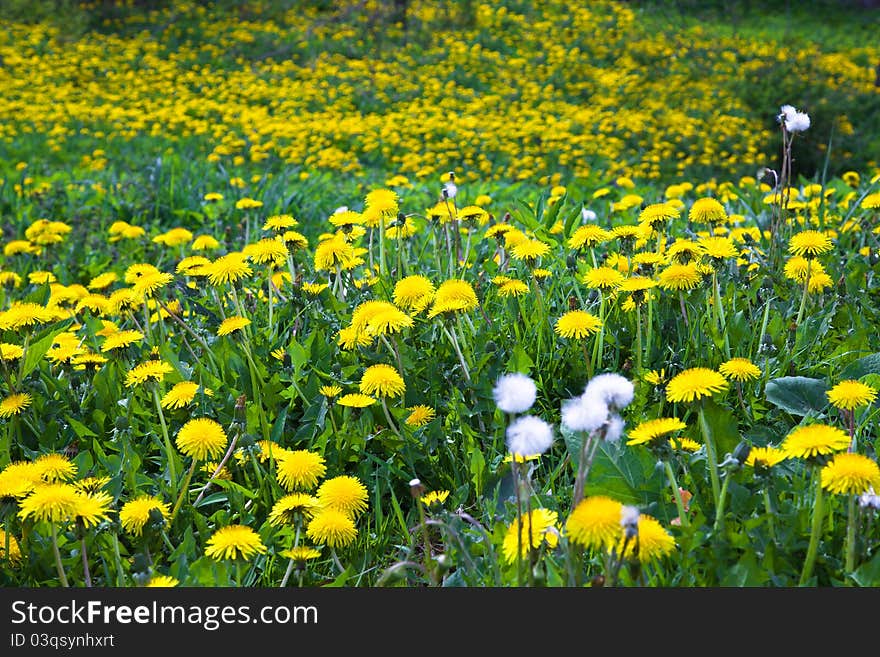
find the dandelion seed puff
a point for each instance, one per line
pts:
(581, 414)
(614, 389)
(794, 121)
(869, 500)
(529, 436)
(587, 215)
(615, 429)
(629, 520)
(515, 393)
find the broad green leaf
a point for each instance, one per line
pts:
(798, 395)
(38, 348)
(858, 368)
(80, 429)
(868, 574)
(722, 424)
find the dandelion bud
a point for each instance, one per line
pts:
(741, 453)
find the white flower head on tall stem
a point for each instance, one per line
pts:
(615, 390)
(869, 500)
(449, 187)
(515, 393)
(584, 413)
(529, 436)
(614, 430)
(629, 520)
(587, 215)
(793, 120)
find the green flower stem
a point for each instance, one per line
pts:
(255, 384)
(719, 512)
(450, 333)
(292, 562)
(388, 418)
(600, 340)
(719, 313)
(60, 568)
(169, 452)
(684, 313)
(638, 338)
(183, 490)
(649, 334)
(676, 493)
(768, 509)
(587, 359)
(515, 467)
(815, 531)
(583, 469)
(87, 576)
(428, 548)
(710, 456)
(383, 267)
(851, 535)
(800, 314)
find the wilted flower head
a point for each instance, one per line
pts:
(515, 393)
(529, 436)
(615, 390)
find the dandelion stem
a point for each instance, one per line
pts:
(768, 509)
(800, 314)
(583, 469)
(183, 490)
(450, 333)
(851, 535)
(388, 418)
(292, 562)
(428, 548)
(169, 453)
(710, 456)
(722, 498)
(59, 567)
(676, 493)
(87, 576)
(383, 267)
(518, 494)
(815, 531)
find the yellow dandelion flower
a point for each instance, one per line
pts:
(809, 243)
(182, 394)
(202, 438)
(534, 528)
(850, 474)
(232, 324)
(650, 430)
(50, 502)
(810, 440)
(695, 383)
(739, 369)
(577, 324)
(332, 528)
(356, 400)
(420, 415)
(234, 542)
(595, 522)
(299, 469)
(15, 404)
(851, 394)
(343, 493)
(54, 467)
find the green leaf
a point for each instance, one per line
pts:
(798, 395)
(722, 425)
(80, 429)
(212, 499)
(570, 222)
(38, 348)
(231, 485)
(868, 574)
(858, 368)
(747, 572)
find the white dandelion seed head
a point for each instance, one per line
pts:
(450, 189)
(587, 215)
(615, 390)
(515, 393)
(580, 414)
(341, 209)
(869, 500)
(529, 436)
(794, 121)
(629, 516)
(414, 482)
(614, 430)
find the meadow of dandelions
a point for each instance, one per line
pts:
(440, 380)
